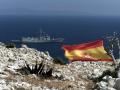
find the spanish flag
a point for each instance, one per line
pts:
(91, 51)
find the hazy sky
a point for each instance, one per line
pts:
(60, 7)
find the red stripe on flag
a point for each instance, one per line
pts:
(83, 46)
(88, 59)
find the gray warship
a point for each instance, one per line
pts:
(43, 38)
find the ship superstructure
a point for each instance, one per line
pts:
(41, 39)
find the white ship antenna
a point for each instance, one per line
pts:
(40, 32)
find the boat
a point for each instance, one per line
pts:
(43, 38)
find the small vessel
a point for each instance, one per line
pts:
(43, 38)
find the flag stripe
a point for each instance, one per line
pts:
(87, 59)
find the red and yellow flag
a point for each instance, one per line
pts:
(91, 51)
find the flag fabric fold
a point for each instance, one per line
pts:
(91, 51)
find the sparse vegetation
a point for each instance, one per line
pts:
(113, 45)
(10, 45)
(38, 69)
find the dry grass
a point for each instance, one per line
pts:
(51, 82)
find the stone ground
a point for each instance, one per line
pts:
(73, 76)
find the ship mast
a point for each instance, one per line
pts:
(40, 32)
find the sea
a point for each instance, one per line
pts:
(74, 30)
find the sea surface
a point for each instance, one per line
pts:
(74, 30)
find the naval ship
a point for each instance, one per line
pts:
(43, 38)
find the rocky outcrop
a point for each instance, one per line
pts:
(109, 80)
(13, 59)
(73, 76)
(82, 72)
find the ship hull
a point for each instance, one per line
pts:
(50, 41)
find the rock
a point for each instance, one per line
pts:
(103, 85)
(106, 78)
(117, 84)
(110, 88)
(24, 46)
(118, 73)
(20, 85)
(3, 85)
(33, 76)
(58, 75)
(36, 88)
(111, 82)
(96, 73)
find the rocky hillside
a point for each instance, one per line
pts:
(73, 76)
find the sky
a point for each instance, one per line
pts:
(60, 7)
